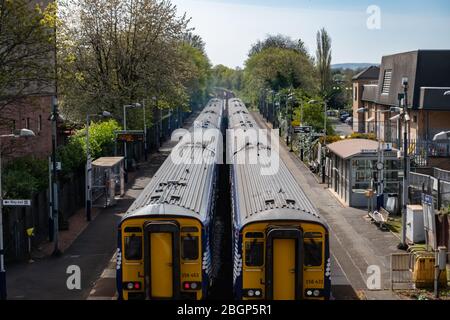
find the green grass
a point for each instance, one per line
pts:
(395, 225)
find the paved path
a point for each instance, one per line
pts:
(91, 251)
(356, 243)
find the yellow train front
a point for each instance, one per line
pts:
(281, 244)
(164, 239)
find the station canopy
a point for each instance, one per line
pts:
(349, 148)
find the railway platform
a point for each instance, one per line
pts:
(357, 246)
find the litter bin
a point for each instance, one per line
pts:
(392, 205)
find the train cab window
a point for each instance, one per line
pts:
(189, 248)
(133, 247)
(313, 253)
(254, 253)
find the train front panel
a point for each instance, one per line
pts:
(284, 260)
(162, 259)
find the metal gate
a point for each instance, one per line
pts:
(402, 265)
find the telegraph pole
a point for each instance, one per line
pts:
(406, 164)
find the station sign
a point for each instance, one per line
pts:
(130, 136)
(16, 203)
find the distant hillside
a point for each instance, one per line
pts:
(353, 66)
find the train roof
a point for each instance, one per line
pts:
(274, 196)
(184, 182)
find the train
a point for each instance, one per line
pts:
(164, 239)
(280, 242)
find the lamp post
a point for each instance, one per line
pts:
(18, 134)
(104, 114)
(404, 115)
(291, 119)
(125, 107)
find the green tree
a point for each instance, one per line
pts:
(114, 52)
(278, 41)
(276, 69)
(26, 51)
(323, 57)
(101, 143)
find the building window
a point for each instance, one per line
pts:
(356, 93)
(386, 82)
(28, 126)
(13, 126)
(39, 128)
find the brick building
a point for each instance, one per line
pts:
(28, 109)
(376, 91)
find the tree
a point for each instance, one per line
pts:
(323, 57)
(26, 51)
(227, 78)
(276, 69)
(115, 52)
(278, 41)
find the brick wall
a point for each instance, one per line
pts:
(33, 114)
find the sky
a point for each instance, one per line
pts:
(230, 27)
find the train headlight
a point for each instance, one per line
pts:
(194, 285)
(130, 286)
(250, 293)
(258, 293)
(309, 293)
(316, 293)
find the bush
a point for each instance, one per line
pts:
(25, 176)
(370, 136)
(101, 142)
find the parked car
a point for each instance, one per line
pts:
(349, 121)
(344, 116)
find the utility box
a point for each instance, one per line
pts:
(415, 231)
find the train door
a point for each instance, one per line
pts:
(284, 264)
(162, 260)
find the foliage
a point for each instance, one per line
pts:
(198, 85)
(278, 41)
(323, 57)
(224, 77)
(369, 136)
(26, 45)
(277, 69)
(101, 143)
(25, 176)
(312, 109)
(114, 52)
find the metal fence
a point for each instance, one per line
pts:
(402, 271)
(402, 265)
(437, 186)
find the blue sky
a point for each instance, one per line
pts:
(229, 27)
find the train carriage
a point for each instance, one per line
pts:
(280, 243)
(164, 238)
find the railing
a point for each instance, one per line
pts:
(441, 174)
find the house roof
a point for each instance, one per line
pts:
(352, 147)
(370, 73)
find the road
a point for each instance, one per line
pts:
(340, 128)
